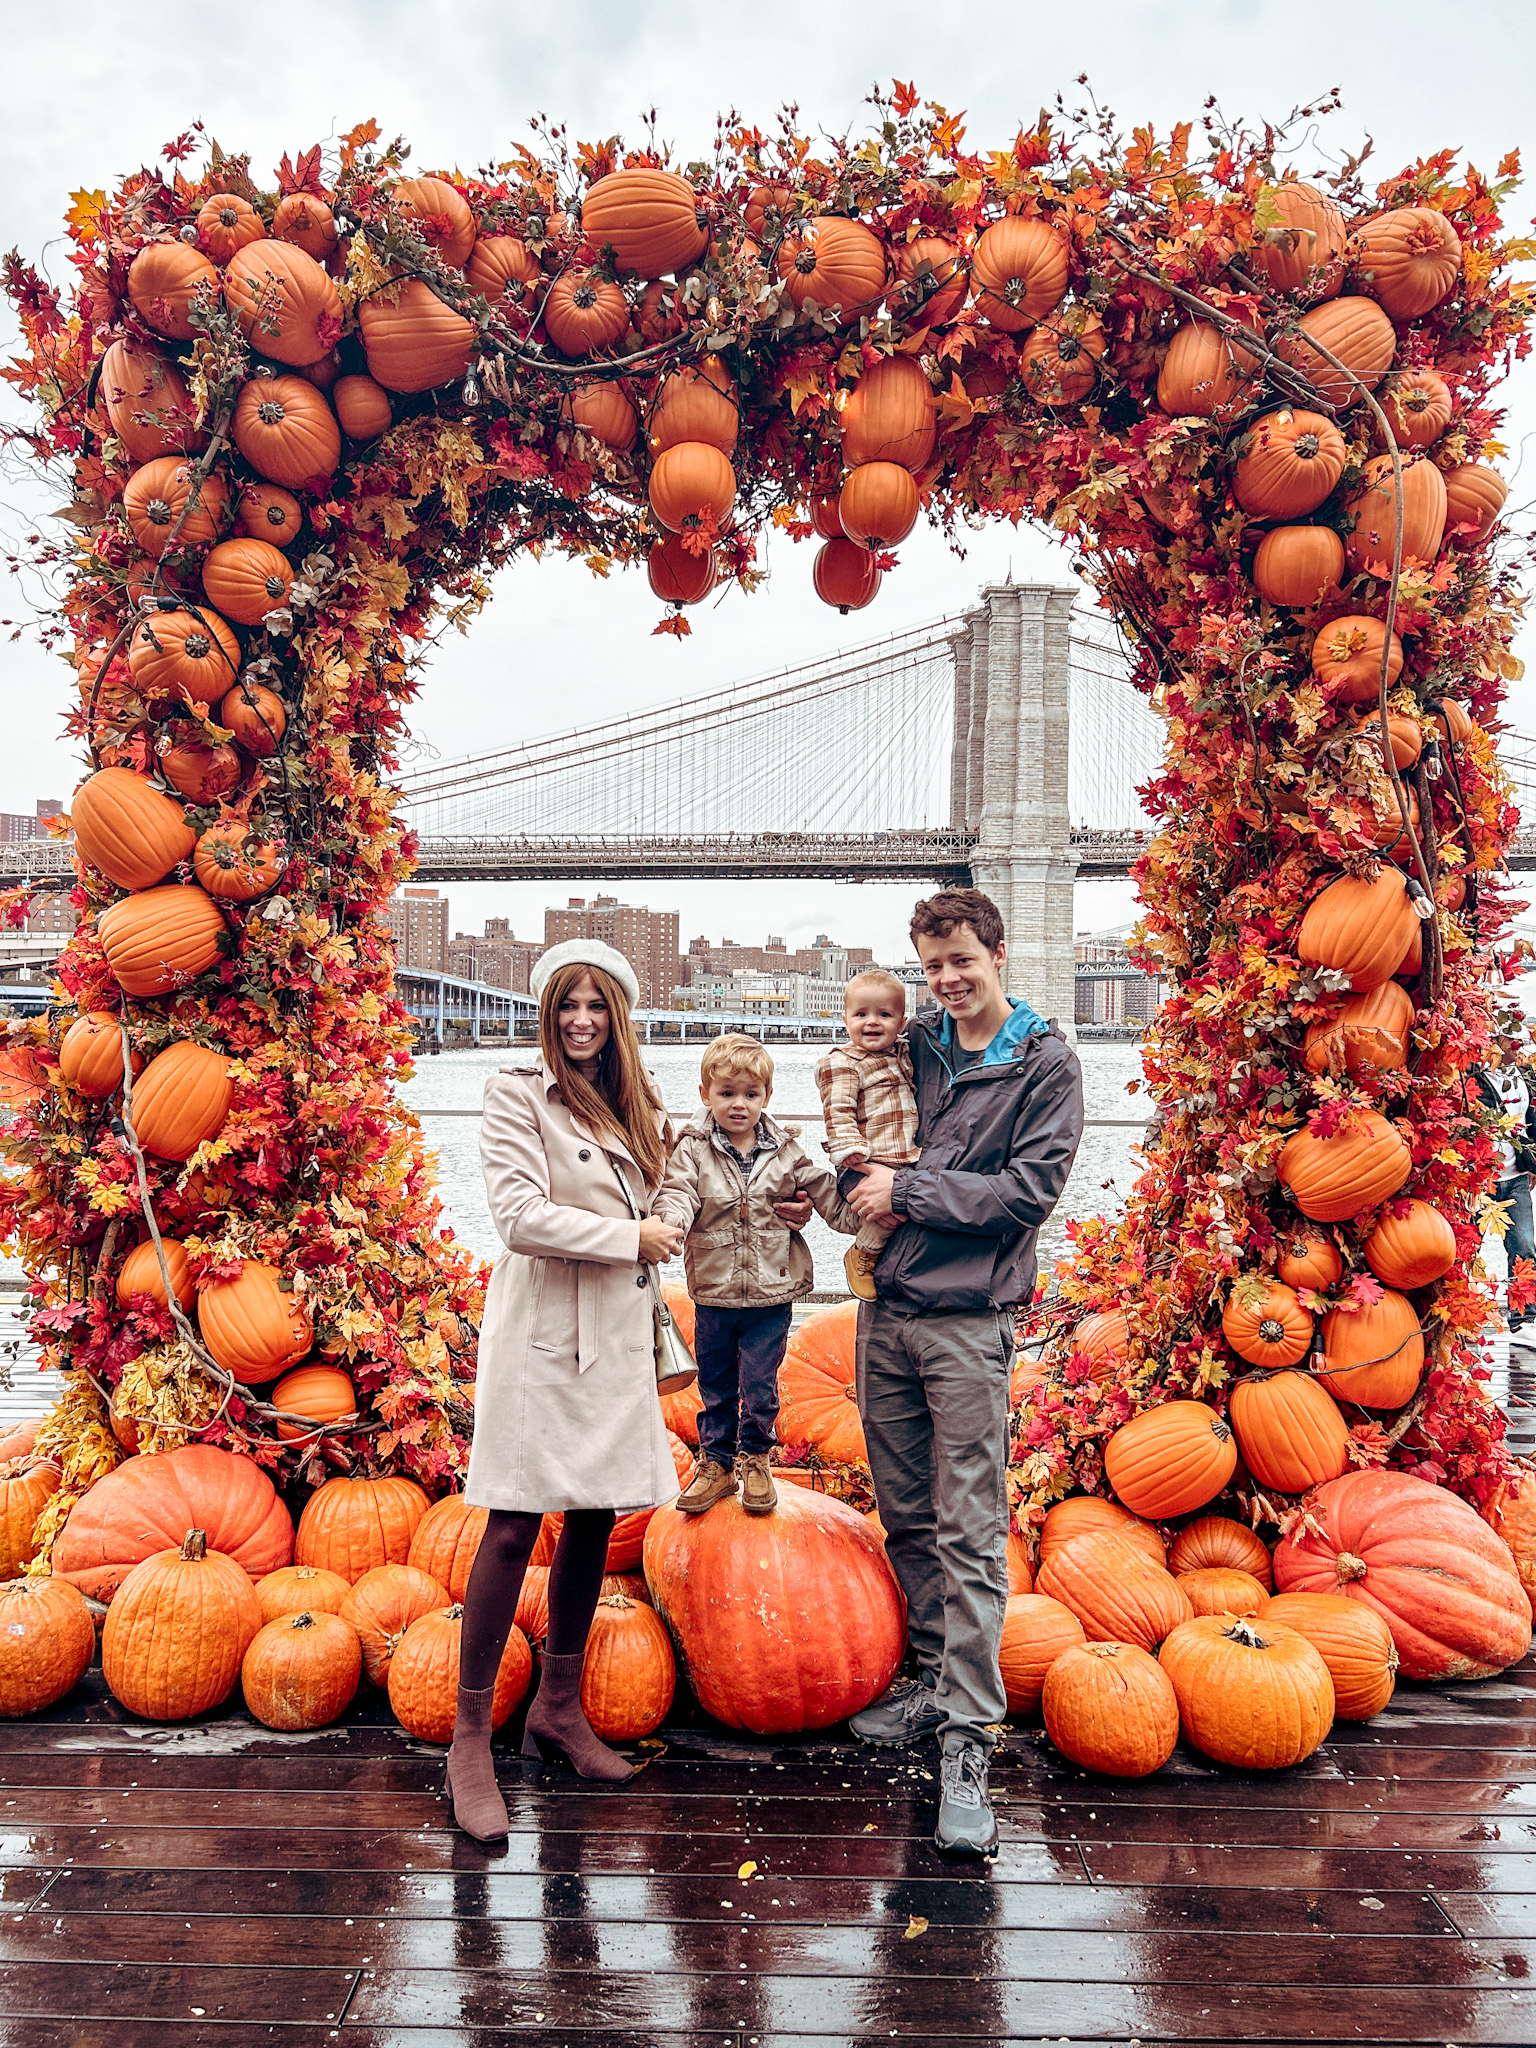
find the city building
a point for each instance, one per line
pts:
(19, 826)
(52, 911)
(754, 992)
(419, 920)
(498, 959)
(647, 938)
(826, 960)
(1130, 999)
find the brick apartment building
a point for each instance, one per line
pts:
(498, 959)
(648, 939)
(16, 827)
(825, 961)
(419, 920)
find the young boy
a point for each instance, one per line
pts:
(745, 1266)
(869, 1103)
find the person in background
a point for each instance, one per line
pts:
(731, 1178)
(1505, 1087)
(868, 1103)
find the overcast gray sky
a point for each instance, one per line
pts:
(97, 89)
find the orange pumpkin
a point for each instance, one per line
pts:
(1372, 509)
(768, 209)
(127, 829)
(1020, 272)
(1411, 1246)
(285, 303)
(178, 1630)
(300, 1589)
(502, 268)
(254, 1328)
(691, 485)
(1111, 1708)
(246, 579)
(1474, 498)
(304, 219)
(1253, 1694)
(1102, 1339)
(1036, 1630)
(413, 342)
(532, 1615)
(1117, 1595)
(1409, 260)
(628, 1674)
(1171, 1459)
(225, 224)
(235, 866)
(446, 1540)
(1266, 1324)
(47, 1641)
(362, 407)
(1208, 372)
(1404, 736)
(677, 575)
(200, 772)
(584, 312)
(1219, 1589)
(1360, 927)
(1300, 247)
(890, 415)
(351, 1526)
(836, 263)
(1510, 1511)
(1346, 656)
(1369, 1030)
(26, 1486)
(1298, 566)
(845, 575)
(1418, 407)
(1289, 1431)
(188, 655)
(424, 1676)
(1288, 463)
(1334, 1178)
(140, 1274)
(1090, 1514)
(168, 503)
(147, 403)
(256, 716)
(301, 1670)
(1354, 330)
(321, 1394)
(601, 410)
(1021, 1572)
(817, 1407)
(1213, 1540)
(161, 939)
(934, 273)
(91, 1055)
(287, 432)
(440, 214)
(878, 505)
(697, 403)
(1374, 1353)
(649, 218)
(381, 1606)
(1060, 361)
(164, 280)
(1352, 1640)
(263, 512)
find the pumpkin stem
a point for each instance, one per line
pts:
(615, 1600)
(1243, 1631)
(305, 1620)
(1348, 1566)
(1103, 1649)
(195, 1543)
(456, 1611)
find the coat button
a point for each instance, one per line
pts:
(639, 1279)
(583, 1154)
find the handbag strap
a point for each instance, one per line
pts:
(658, 1299)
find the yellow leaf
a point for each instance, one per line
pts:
(916, 1925)
(85, 213)
(747, 1870)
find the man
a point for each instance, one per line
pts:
(1000, 1113)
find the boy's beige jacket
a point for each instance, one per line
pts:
(738, 1253)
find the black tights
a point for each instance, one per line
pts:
(496, 1580)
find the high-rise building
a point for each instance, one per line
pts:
(419, 920)
(499, 960)
(52, 911)
(647, 939)
(825, 961)
(18, 826)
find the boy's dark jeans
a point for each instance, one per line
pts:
(738, 1352)
(1519, 1238)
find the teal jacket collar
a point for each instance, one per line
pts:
(1023, 1023)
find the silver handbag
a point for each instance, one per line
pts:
(676, 1367)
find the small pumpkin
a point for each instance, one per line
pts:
(169, 502)
(254, 1329)
(319, 1393)
(198, 771)
(1474, 498)
(235, 866)
(1418, 406)
(440, 214)
(691, 485)
(27, 1484)
(446, 1540)
(600, 409)
(878, 505)
(936, 279)
(1372, 508)
(1271, 1329)
(47, 1641)
(1352, 1640)
(1036, 1630)
(1289, 1431)
(177, 1632)
(697, 403)
(1298, 566)
(1412, 1245)
(352, 1525)
(1346, 658)
(1334, 1178)
(245, 579)
(1374, 1353)
(845, 575)
(1208, 372)
(300, 1589)
(184, 656)
(1251, 1693)
(1020, 272)
(140, 1274)
(836, 263)
(147, 402)
(301, 1670)
(628, 1674)
(304, 219)
(1116, 1594)
(181, 1100)
(285, 303)
(1301, 246)
(503, 269)
(1404, 736)
(287, 432)
(1085, 1514)
(1110, 1707)
(424, 1676)
(584, 313)
(362, 407)
(1408, 259)
(1103, 1339)
(1059, 363)
(677, 574)
(1215, 1542)
(225, 224)
(382, 1605)
(532, 1615)
(1288, 463)
(1308, 1259)
(1369, 1030)
(165, 281)
(1170, 1459)
(161, 939)
(91, 1055)
(256, 716)
(263, 512)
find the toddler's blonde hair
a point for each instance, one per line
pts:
(876, 977)
(734, 1053)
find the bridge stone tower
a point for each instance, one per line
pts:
(1009, 779)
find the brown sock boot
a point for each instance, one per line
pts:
(557, 1726)
(478, 1806)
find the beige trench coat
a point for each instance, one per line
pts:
(566, 1414)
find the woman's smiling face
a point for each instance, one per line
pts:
(584, 1023)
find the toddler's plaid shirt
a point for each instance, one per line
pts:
(869, 1104)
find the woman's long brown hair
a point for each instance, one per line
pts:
(622, 1104)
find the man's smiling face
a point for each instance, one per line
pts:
(963, 976)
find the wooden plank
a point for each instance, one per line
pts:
(21, 1888)
(142, 1991)
(1331, 1869)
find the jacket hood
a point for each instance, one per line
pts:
(1023, 1024)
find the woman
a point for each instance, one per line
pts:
(566, 1415)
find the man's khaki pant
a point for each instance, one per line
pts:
(933, 1392)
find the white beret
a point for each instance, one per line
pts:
(586, 953)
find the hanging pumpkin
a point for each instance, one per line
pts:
(1412, 1246)
(1288, 463)
(1059, 363)
(1036, 1630)
(255, 1329)
(1359, 927)
(1171, 1459)
(27, 1484)
(127, 1516)
(424, 1676)
(1253, 1694)
(1111, 1708)
(1346, 657)
(878, 505)
(446, 1540)
(679, 576)
(934, 272)
(584, 312)
(184, 656)
(1418, 407)
(1090, 1514)
(845, 575)
(128, 830)
(382, 1605)
(178, 1630)
(1268, 1327)
(601, 410)
(1020, 272)
(263, 512)
(168, 502)
(301, 1671)
(1219, 1589)
(256, 716)
(321, 1394)
(697, 403)
(1372, 510)
(503, 269)
(1298, 566)
(1300, 247)
(660, 315)
(284, 302)
(140, 1275)
(691, 485)
(890, 416)
(768, 210)
(1213, 1542)
(649, 218)
(47, 1641)
(1352, 1640)
(198, 771)
(1474, 498)
(412, 341)
(1334, 1178)
(300, 1589)
(1404, 736)
(1209, 372)
(287, 432)
(245, 579)
(225, 224)
(353, 1525)
(304, 219)
(1358, 333)
(836, 263)
(1369, 1030)
(1116, 1594)
(1289, 1431)
(628, 1675)
(1374, 1352)
(235, 866)
(440, 214)
(1408, 260)
(1441, 1579)
(147, 403)
(161, 939)
(782, 1622)
(362, 408)
(164, 280)
(91, 1055)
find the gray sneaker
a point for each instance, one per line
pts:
(967, 1825)
(904, 1713)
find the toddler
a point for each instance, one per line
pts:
(868, 1101)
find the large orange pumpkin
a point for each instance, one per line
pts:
(649, 218)
(424, 1676)
(147, 403)
(890, 415)
(181, 1100)
(1369, 1030)
(352, 1525)
(1474, 498)
(837, 263)
(412, 341)
(1352, 1639)
(1297, 566)
(1510, 1511)
(1090, 1514)
(1115, 1593)
(878, 505)
(1355, 330)
(255, 1329)
(300, 1589)
(129, 830)
(1110, 1707)
(1251, 1693)
(1412, 1245)
(170, 504)
(140, 1274)
(1360, 927)
(178, 1630)
(1267, 1327)
(1372, 509)
(1440, 1578)
(47, 1641)
(91, 1055)
(1020, 272)
(691, 485)
(320, 1393)
(1059, 363)
(1171, 1459)
(1036, 1630)
(1347, 655)
(26, 1486)
(1409, 260)
(285, 302)
(628, 1674)
(503, 269)
(246, 579)
(382, 1605)
(600, 409)
(1331, 1179)
(1102, 1339)
(1289, 1431)
(1214, 1542)
(286, 430)
(186, 655)
(161, 939)
(1418, 406)
(306, 220)
(679, 576)
(301, 1670)
(440, 214)
(817, 1408)
(584, 312)
(1375, 1352)
(781, 1622)
(128, 1516)
(163, 281)
(1207, 372)
(1300, 247)
(446, 1540)
(845, 575)
(1288, 463)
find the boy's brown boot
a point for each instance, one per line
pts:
(758, 1495)
(710, 1483)
(859, 1267)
